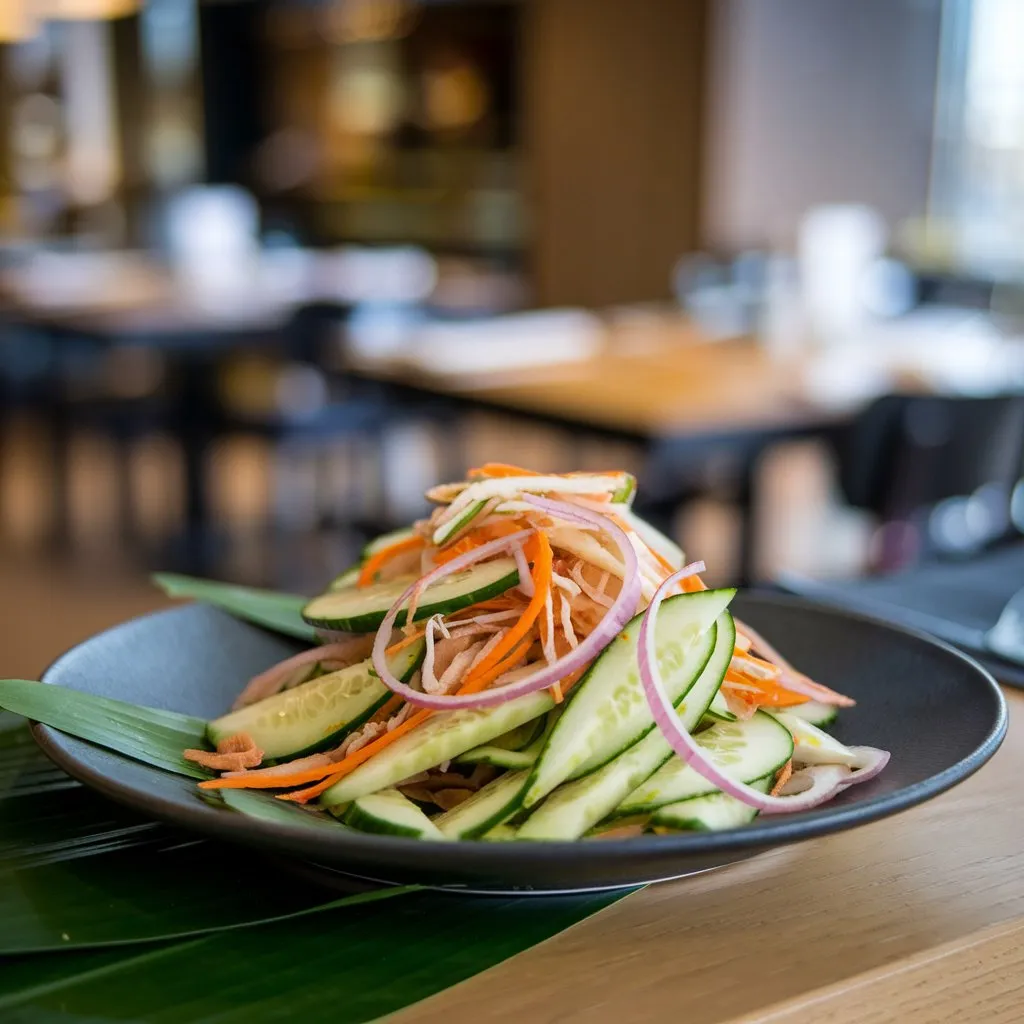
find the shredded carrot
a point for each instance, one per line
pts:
(500, 469)
(482, 680)
(660, 559)
(782, 777)
(538, 551)
(769, 692)
(400, 645)
(556, 692)
(388, 708)
(377, 561)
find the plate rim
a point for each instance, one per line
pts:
(781, 830)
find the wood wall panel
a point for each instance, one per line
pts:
(613, 102)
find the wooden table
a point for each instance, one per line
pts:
(659, 384)
(918, 919)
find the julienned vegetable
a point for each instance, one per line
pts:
(533, 661)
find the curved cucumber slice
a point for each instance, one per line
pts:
(607, 711)
(484, 810)
(575, 807)
(349, 577)
(719, 709)
(440, 738)
(500, 834)
(462, 520)
(521, 737)
(392, 814)
(815, 712)
(497, 757)
(362, 609)
(711, 813)
(316, 715)
(812, 745)
(745, 750)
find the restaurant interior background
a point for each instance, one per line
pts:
(269, 268)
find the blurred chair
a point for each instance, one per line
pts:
(311, 411)
(937, 472)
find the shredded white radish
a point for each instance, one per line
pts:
(487, 648)
(757, 669)
(565, 611)
(548, 643)
(571, 587)
(458, 668)
(595, 595)
(523, 567)
(431, 684)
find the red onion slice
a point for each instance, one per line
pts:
(824, 784)
(621, 611)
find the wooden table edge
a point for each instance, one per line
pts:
(975, 978)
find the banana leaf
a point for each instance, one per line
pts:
(144, 734)
(349, 965)
(149, 735)
(278, 612)
(77, 871)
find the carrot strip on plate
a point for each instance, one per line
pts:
(377, 561)
(500, 469)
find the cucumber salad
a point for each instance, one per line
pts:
(533, 662)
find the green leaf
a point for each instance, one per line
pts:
(270, 609)
(355, 965)
(144, 734)
(77, 871)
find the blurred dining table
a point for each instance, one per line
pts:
(652, 376)
(646, 375)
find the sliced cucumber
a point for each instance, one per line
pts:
(500, 834)
(459, 522)
(812, 745)
(483, 810)
(349, 578)
(441, 738)
(317, 714)
(815, 712)
(575, 807)
(746, 751)
(711, 813)
(362, 609)
(719, 709)
(392, 814)
(498, 757)
(607, 711)
(385, 540)
(522, 736)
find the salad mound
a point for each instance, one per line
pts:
(534, 661)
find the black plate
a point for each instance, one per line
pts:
(940, 714)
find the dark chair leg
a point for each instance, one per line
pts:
(126, 510)
(60, 491)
